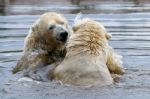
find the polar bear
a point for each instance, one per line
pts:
(87, 56)
(45, 43)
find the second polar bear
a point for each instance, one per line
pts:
(88, 55)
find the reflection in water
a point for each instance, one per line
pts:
(2, 6)
(136, 2)
(77, 3)
(82, 6)
(70, 6)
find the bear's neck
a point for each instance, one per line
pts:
(43, 46)
(88, 43)
(48, 44)
(57, 55)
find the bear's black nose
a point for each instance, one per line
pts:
(63, 36)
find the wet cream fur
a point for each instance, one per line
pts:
(40, 46)
(89, 57)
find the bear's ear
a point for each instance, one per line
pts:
(74, 28)
(34, 27)
(78, 26)
(108, 36)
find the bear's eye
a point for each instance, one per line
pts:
(51, 27)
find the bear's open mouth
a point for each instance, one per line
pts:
(62, 39)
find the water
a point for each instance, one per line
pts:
(127, 21)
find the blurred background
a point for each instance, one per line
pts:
(127, 20)
(34, 7)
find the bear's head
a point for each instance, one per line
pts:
(52, 26)
(87, 24)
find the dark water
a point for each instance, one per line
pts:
(127, 21)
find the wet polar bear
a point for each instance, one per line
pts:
(89, 58)
(45, 43)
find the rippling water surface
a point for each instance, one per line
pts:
(128, 22)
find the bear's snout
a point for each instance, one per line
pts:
(60, 33)
(63, 36)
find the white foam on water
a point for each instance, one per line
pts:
(26, 79)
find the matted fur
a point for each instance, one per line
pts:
(87, 56)
(40, 46)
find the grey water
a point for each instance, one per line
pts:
(127, 20)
